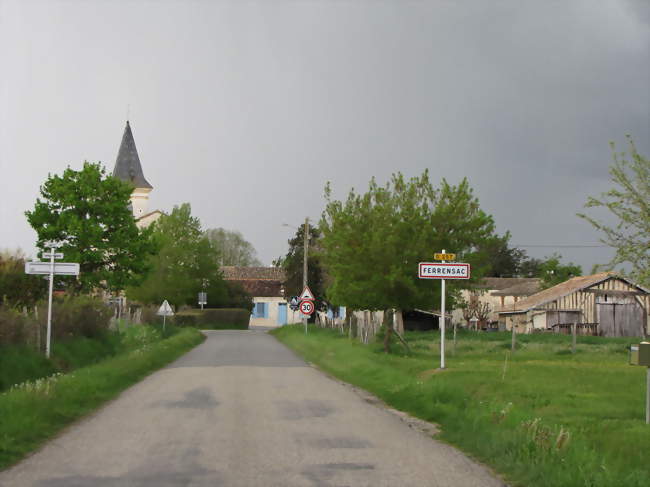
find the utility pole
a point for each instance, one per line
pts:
(304, 263)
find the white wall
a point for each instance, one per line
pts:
(272, 312)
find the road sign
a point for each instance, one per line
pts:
(306, 307)
(294, 303)
(57, 255)
(165, 309)
(444, 256)
(306, 294)
(203, 298)
(60, 268)
(432, 270)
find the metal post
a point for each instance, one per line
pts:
(164, 319)
(49, 303)
(442, 323)
(647, 398)
(304, 263)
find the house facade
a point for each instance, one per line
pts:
(265, 285)
(613, 305)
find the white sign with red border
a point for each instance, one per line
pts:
(306, 307)
(306, 294)
(433, 270)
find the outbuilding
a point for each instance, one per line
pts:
(605, 304)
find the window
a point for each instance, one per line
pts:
(261, 310)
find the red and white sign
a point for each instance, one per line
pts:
(306, 307)
(306, 295)
(432, 270)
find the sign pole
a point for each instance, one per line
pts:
(442, 323)
(304, 263)
(49, 303)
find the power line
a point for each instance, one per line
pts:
(562, 246)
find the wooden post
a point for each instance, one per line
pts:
(454, 339)
(514, 339)
(574, 331)
(647, 398)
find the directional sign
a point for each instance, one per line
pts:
(165, 309)
(57, 255)
(444, 256)
(432, 270)
(294, 303)
(306, 294)
(306, 307)
(60, 268)
(203, 298)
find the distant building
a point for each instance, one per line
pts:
(129, 169)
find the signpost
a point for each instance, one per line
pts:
(203, 299)
(443, 271)
(294, 303)
(51, 269)
(306, 297)
(307, 307)
(165, 310)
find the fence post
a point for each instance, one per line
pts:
(574, 332)
(514, 339)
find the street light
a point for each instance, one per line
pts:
(304, 258)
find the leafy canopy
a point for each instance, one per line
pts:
(235, 249)
(629, 202)
(16, 287)
(89, 212)
(372, 242)
(186, 264)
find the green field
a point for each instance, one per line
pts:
(34, 411)
(552, 419)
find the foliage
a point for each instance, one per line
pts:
(372, 242)
(16, 287)
(238, 297)
(215, 319)
(89, 212)
(187, 263)
(554, 418)
(552, 272)
(234, 248)
(293, 265)
(505, 261)
(33, 412)
(14, 326)
(629, 202)
(78, 316)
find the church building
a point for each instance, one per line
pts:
(129, 169)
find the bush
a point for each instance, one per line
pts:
(215, 318)
(79, 316)
(13, 327)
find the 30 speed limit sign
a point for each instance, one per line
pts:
(306, 307)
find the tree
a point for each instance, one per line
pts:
(16, 287)
(629, 202)
(235, 249)
(186, 264)
(552, 272)
(505, 261)
(89, 212)
(372, 243)
(293, 266)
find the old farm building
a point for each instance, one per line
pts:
(613, 305)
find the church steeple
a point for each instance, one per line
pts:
(128, 168)
(127, 165)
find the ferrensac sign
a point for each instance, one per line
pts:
(432, 270)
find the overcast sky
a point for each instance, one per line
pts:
(245, 109)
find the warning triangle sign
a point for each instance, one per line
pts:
(165, 309)
(306, 294)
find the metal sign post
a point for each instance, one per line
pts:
(165, 310)
(203, 298)
(443, 271)
(50, 269)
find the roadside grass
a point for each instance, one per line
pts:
(33, 412)
(552, 419)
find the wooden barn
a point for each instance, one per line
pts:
(603, 304)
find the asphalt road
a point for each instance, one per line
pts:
(243, 410)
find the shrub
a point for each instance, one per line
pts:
(13, 327)
(215, 318)
(79, 316)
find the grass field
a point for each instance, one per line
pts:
(545, 418)
(34, 411)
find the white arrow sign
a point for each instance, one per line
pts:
(60, 268)
(306, 295)
(165, 309)
(57, 255)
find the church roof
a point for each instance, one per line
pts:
(127, 165)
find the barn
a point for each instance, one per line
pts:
(605, 304)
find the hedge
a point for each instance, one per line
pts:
(214, 318)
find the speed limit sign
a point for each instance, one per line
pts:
(306, 307)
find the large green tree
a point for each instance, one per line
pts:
(187, 263)
(16, 287)
(89, 213)
(235, 249)
(629, 202)
(372, 242)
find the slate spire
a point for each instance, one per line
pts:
(127, 165)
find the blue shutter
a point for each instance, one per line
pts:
(266, 310)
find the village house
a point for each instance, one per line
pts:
(265, 285)
(605, 304)
(493, 293)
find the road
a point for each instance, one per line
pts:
(242, 410)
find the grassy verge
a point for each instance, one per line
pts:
(552, 419)
(35, 411)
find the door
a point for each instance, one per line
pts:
(620, 317)
(282, 313)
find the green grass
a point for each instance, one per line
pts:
(35, 411)
(556, 419)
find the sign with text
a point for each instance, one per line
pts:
(60, 268)
(432, 270)
(444, 256)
